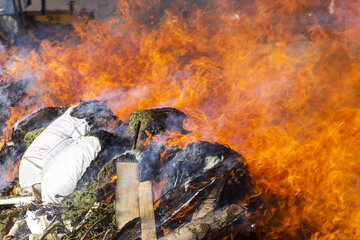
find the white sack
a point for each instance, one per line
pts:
(56, 137)
(61, 175)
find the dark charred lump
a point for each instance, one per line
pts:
(195, 182)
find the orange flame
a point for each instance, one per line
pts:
(12, 172)
(113, 179)
(276, 80)
(109, 190)
(15, 191)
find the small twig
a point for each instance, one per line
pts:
(137, 130)
(106, 234)
(51, 226)
(73, 233)
(97, 235)
(90, 228)
(60, 206)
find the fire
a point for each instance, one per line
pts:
(15, 191)
(11, 174)
(276, 80)
(113, 179)
(108, 190)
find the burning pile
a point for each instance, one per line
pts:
(201, 191)
(277, 81)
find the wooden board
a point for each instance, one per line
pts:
(127, 202)
(148, 230)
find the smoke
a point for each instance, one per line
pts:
(5, 181)
(9, 164)
(279, 82)
(129, 97)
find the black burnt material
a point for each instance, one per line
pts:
(11, 150)
(196, 160)
(240, 228)
(131, 231)
(227, 182)
(97, 114)
(41, 118)
(192, 176)
(111, 146)
(178, 205)
(150, 163)
(10, 94)
(122, 129)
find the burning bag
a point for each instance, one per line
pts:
(55, 138)
(61, 174)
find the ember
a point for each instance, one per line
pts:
(277, 81)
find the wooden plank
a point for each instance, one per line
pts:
(148, 229)
(199, 228)
(127, 201)
(208, 206)
(205, 208)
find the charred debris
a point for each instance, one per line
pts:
(202, 191)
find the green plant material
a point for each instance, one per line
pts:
(30, 136)
(87, 214)
(157, 121)
(80, 202)
(2, 229)
(98, 223)
(7, 217)
(92, 226)
(107, 234)
(107, 171)
(143, 116)
(50, 228)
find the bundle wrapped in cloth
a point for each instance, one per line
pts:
(69, 166)
(54, 139)
(57, 158)
(66, 131)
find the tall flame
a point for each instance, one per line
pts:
(278, 81)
